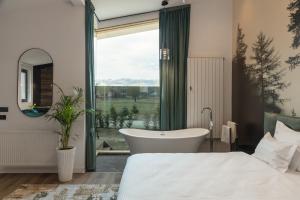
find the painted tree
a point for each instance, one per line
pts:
(294, 28)
(241, 49)
(267, 73)
(243, 70)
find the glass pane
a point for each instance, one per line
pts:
(127, 86)
(23, 86)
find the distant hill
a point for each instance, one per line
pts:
(127, 82)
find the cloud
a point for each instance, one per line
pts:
(133, 56)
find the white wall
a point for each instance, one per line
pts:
(211, 35)
(58, 28)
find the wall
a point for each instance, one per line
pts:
(211, 35)
(58, 28)
(270, 17)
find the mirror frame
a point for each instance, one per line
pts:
(19, 77)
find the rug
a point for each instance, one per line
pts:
(64, 192)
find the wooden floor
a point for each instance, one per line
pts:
(10, 182)
(218, 146)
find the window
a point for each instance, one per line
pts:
(127, 81)
(24, 85)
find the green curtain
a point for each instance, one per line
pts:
(174, 25)
(90, 89)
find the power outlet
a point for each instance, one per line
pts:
(3, 109)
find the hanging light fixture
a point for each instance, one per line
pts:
(164, 52)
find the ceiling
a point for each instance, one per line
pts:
(107, 9)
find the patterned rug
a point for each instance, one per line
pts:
(64, 192)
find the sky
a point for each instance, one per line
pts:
(133, 56)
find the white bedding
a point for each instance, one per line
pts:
(205, 176)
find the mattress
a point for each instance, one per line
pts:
(205, 176)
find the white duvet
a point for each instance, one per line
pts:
(205, 176)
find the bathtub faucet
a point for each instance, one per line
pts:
(211, 125)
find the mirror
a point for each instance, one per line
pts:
(35, 82)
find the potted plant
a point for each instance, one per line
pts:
(66, 111)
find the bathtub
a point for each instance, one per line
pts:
(178, 141)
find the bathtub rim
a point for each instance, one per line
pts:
(165, 137)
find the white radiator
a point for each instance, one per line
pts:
(27, 148)
(205, 88)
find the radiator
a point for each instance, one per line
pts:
(27, 148)
(205, 88)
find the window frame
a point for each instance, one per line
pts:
(126, 28)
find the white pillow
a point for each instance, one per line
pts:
(285, 134)
(277, 154)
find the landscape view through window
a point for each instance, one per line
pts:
(127, 86)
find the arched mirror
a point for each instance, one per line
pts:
(35, 82)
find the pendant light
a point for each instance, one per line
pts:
(164, 52)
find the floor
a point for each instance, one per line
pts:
(109, 171)
(116, 163)
(10, 182)
(111, 163)
(218, 146)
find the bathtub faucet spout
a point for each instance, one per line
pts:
(211, 125)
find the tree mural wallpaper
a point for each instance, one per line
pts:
(266, 66)
(268, 73)
(245, 92)
(241, 49)
(294, 28)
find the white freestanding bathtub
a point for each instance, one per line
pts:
(178, 141)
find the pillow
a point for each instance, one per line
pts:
(285, 134)
(275, 153)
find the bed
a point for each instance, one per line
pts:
(205, 176)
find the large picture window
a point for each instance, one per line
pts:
(126, 81)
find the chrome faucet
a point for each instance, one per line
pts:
(211, 126)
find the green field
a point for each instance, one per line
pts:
(144, 105)
(124, 107)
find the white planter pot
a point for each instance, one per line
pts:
(65, 164)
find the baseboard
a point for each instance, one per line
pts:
(33, 170)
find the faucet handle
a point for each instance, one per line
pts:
(211, 124)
